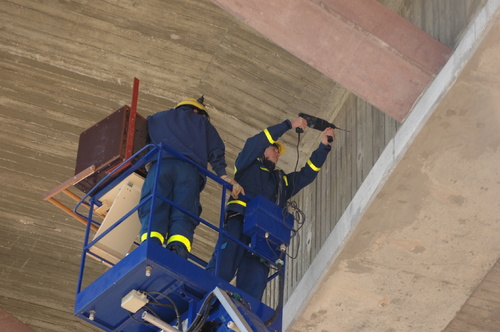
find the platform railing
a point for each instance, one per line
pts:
(149, 153)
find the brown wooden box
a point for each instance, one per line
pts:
(105, 146)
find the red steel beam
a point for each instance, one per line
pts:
(132, 119)
(362, 45)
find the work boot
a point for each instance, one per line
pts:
(155, 240)
(179, 248)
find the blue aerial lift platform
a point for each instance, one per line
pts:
(147, 287)
(152, 286)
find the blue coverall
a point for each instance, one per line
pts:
(259, 177)
(193, 136)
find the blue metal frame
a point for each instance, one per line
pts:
(184, 281)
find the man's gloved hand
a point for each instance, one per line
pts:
(237, 189)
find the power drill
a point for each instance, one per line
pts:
(318, 124)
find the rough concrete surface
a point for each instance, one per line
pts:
(433, 231)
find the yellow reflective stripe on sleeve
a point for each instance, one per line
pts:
(269, 137)
(309, 162)
(237, 202)
(152, 234)
(286, 180)
(182, 239)
(235, 169)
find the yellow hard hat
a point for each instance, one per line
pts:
(197, 103)
(281, 147)
(193, 102)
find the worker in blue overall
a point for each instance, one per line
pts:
(187, 130)
(255, 170)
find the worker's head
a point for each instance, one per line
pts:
(274, 151)
(195, 104)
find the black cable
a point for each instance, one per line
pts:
(299, 217)
(173, 306)
(294, 256)
(136, 320)
(201, 322)
(162, 304)
(297, 160)
(204, 311)
(156, 302)
(198, 322)
(273, 250)
(149, 309)
(238, 298)
(202, 315)
(297, 151)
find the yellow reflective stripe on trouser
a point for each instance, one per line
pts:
(182, 239)
(237, 202)
(269, 137)
(152, 234)
(309, 162)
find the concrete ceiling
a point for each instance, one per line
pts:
(432, 228)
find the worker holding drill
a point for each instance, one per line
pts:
(187, 130)
(255, 170)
